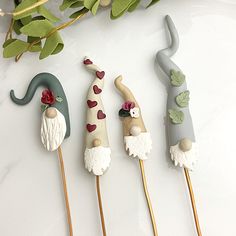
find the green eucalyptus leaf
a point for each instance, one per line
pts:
(182, 99)
(78, 13)
(37, 28)
(53, 45)
(119, 7)
(36, 47)
(115, 17)
(176, 116)
(9, 41)
(77, 4)
(68, 3)
(95, 7)
(26, 20)
(23, 5)
(15, 48)
(17, 26)
(133, 6)
(47, 14)
(177, 78)
(89, 4)
(152, 3)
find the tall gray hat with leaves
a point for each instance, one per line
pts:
(179, 119)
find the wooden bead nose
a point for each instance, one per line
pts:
(97, 142)
(51, 112)
(135, 130)
(185, 145)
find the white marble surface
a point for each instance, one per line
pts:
(31, 198)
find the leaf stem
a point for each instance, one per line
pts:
(9, 31)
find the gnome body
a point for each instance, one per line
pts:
(55, 122)
(137, 140)
(97, 153)
(179, 122)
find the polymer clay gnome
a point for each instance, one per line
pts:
(138, 142)
(55, 122)
(179, 122)
(97, 154)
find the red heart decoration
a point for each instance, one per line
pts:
(88, 62)
(91, 128)
(100, 74)
(92, 104)
(96, 89)
(101, 115)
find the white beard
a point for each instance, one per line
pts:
(186, 159)
(97, 159)
(53, 131)
(138, 146)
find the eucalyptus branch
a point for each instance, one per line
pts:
(60, 27)
(37, 27)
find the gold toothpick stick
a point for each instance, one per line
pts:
(148, 198)
(191, 194)
(100, 206)
(63, 175)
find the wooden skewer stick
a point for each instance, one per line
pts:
(148, 198)
(100, 206)
(63, 175)
(190, 188)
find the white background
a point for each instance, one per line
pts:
(31, 197)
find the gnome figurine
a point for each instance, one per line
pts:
(97, 154)
(138, 142)
(179, 122)
(55, 122)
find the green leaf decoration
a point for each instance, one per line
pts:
(124, 113)
(44, 107)
(176, 116)
(37, 28)
(17, 26)
(182, 99)
(47, 14)
(152, 3)
(95, 7)
(89, 4)
(59, 99)
(134, 6)
(36, 47)
(78, 13)
(53, 45)
(15, 48)
(23, 5)
(119, 7)
(177, 78)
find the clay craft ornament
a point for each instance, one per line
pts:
(179, 122)
(55, 121)
(137, 140)
(97, 155)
